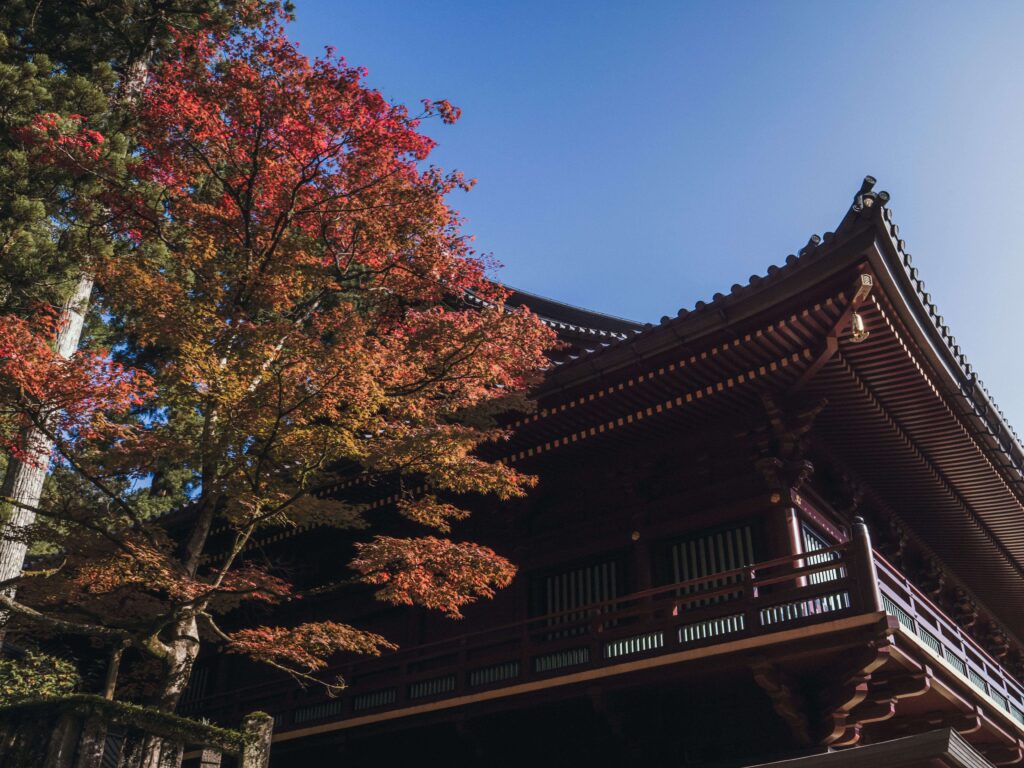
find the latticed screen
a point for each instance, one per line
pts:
(711, 553)
(814, 541)
(568, 592)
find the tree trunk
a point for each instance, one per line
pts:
(23, 483)
(183, 649)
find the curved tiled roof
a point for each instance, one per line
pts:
(867, 205)
(866, 239)
(567, 319)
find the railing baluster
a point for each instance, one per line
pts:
(751, 613)
(956, 646)
(756, 598)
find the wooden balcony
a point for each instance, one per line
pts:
(919, 617)
(765, 605)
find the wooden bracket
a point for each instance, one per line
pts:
(787, 702)
(840, 727)
(837, 718)
(861, 290)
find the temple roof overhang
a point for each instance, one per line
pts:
(923, 431)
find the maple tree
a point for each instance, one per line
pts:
(283, 303)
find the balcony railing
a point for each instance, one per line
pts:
(946, 640)
(757, 600)
(767, 597)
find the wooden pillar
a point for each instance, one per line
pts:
(641, 561)
(520, 587)
(782, 529)
(795, 540)
(866, 576)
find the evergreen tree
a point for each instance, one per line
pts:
(73, 71)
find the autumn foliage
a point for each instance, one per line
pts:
(282, 308)
(75, 398)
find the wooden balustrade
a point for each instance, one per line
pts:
(919, 616)
(755, 600)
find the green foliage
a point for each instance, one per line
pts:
(73, 58)
(35, 674)
(78, 62)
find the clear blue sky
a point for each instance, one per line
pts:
(636, 157)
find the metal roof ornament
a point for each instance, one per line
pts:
(858, 329)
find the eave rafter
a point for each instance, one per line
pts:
(985, 476)
(698, 370)
(694, 396)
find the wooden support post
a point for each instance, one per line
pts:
(751, 613)
(866, 575)
(783, 534)
(257, 730)
(641, 556)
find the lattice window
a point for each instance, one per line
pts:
(814, 541)
(433, 687)
(319, 711)
(711, 553)
(569, 592)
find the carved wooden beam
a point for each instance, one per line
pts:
(904, 686)
(846, 697)
(849, 496)
(849, 737)
(933, 579)
(782, 475)
(998, 643)
(965, 610)
(830, 346)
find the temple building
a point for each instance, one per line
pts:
(785, 526)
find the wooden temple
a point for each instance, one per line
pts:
(785, 526)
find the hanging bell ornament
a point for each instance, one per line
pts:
(858, 330)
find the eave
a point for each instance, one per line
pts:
(972, 454)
